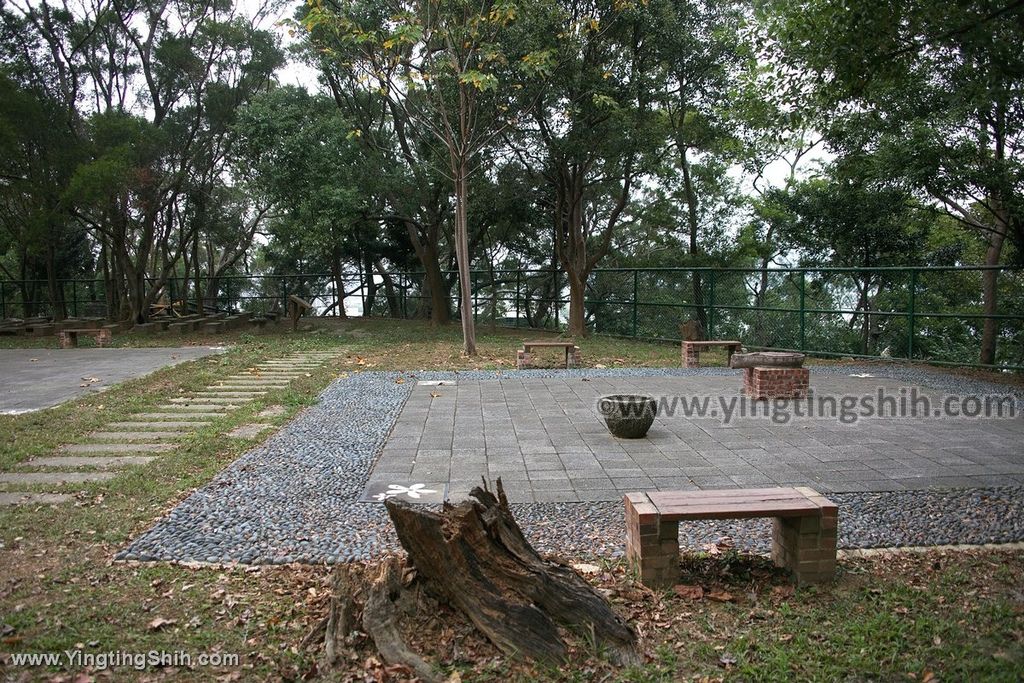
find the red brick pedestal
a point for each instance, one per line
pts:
(691, 355)
(765, 382)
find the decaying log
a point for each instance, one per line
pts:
(475, 556)
(341, 619)
(380, 615)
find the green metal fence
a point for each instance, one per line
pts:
(932, 314)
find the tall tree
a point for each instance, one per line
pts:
(700, 57)
(934, 89)
(456, 70)
(591, 133)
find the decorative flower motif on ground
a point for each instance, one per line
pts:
(394, 490)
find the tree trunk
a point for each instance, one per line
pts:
(339, 282)
(474, 556)
(990, 298)
(577, 313)
(370, 299)
(199, 276)
(437, 287)
(692, 222)
(394, 307)
(56, 291)
(462, 257)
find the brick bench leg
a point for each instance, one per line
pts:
(103, 338)
(806, 546)
(573, 359)
(522, 359)
(691, 356)
(67, 340)
(652, 545)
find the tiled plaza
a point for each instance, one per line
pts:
(546, 440)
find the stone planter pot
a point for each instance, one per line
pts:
(628, 416)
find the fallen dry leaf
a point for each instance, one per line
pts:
(783, 592)
(689, 592)
(721, 596)
(160, 623)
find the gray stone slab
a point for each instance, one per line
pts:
(183, 409)
(117, 447)
(166, 427)
(54, 477)
(134, 436)
(180, 417)
(248, 431)
(18, 498)
(205, 401)
(272, 411)
(107, 463)
(55, 375)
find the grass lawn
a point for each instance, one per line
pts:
(912, 616)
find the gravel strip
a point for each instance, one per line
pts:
(293, 498)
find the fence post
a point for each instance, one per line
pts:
(74, 298)
(636, 277)
(803, 310)
(519, 279)
(911, 322)
(3, 301)
(711, 304)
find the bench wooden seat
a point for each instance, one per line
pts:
(68, 339)
(692, 349)
(572, 352)
(805, 526)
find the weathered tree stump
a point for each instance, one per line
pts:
(475, 557)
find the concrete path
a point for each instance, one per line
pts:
(35, 379)
(143, 437)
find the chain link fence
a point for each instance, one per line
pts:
(925, 314)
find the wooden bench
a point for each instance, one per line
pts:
(804, 530)
(296, 307)
(572, 352)
(692, 349)
(68, 339)
(772, 374)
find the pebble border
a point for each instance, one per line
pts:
(293, 498)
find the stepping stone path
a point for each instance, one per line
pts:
(146, 436)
